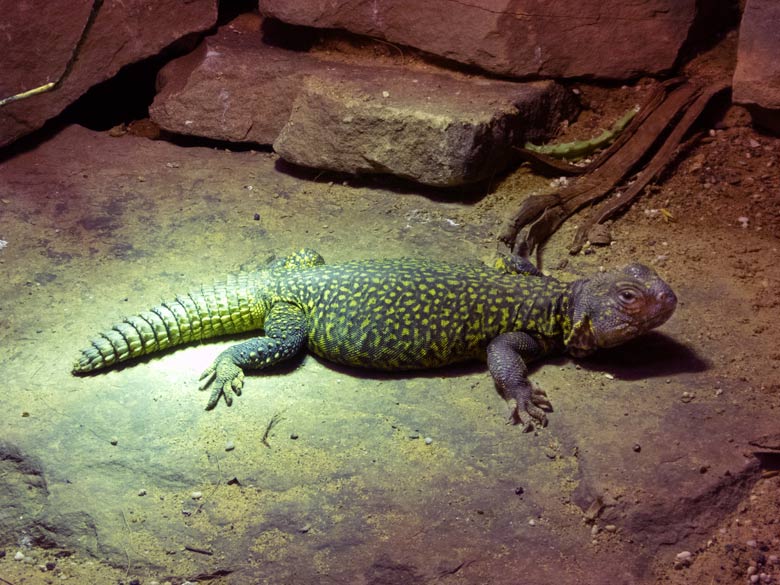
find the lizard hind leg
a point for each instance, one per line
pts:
(286, 332)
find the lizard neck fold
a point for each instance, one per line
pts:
(576, 325)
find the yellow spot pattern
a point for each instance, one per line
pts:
(386, 314)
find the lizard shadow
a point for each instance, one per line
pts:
(651, 355)
(455, 370)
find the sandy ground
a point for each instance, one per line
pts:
(647, 454)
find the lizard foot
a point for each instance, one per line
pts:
(225, 377)
(532, 401)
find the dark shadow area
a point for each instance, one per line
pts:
(769, 461)
(289, 36)
(227, 10)
(650, 356)
(712, 22)
(449, 371)
(126, 96)
(185, 141)
(32, 140)
(468, 194)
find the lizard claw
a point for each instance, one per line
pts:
(532, 403)
(226, 377)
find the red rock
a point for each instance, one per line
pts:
(757, 76)
(427, 128)
(38, 38)
(432, 128)
(549, 38)
(233, 87)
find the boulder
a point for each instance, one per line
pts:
(233, 87)
(435, 128)
(428, 128)
(37, 44)
(609, 39)
(757, 76)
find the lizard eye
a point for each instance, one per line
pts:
(627, 296)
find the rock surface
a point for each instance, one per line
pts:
(562, 38)
(233, 87)
(37, 44)
(24, 490)
(757, 76)
(357, 496)
(431, 129)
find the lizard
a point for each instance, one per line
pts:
(396, 315)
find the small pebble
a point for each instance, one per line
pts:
(754, 578)
(637, 447)
(257, 217)
(684, 556)
(751, 543)
(610, 528)
(142, 492)
(594, 530)
(113, 441)
(19, 556)
(229, 446)
(294, 436)
(751, 570)
(774, 559)
(532, 522)
(428, 440)
(196, 495)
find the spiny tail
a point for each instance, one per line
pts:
(222, 309)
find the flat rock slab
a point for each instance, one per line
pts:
(757, 75)
(560, 38)
(348, 490)
(37, 44)
(431, 128)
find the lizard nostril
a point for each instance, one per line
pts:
(667, 297)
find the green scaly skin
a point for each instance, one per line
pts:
(395, 315)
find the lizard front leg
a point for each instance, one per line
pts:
(507, 355)
(286, 331)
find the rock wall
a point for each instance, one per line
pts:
(435, 128)
(757, 76)
(39, 38)
(609, 39)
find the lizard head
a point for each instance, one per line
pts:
(614, 307)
